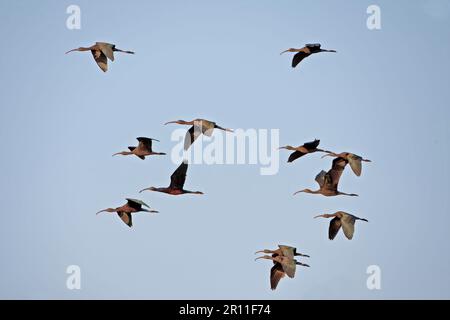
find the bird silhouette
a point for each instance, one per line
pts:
(177, 180)
(341, 219)
(143, 149)
(354, 160)
(328, 181)
(199, 126)
(304, 52)
(300, 151)
(125, 211)
(102, 51)
(284, 263)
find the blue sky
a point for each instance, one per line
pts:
(384, 95)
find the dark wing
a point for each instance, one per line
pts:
(136, 204)
(320, 178)
(276, 274)
(193, 133)
(126, 217)
(312, 145)
(101, 59)
(335, 225)
(295, 155)
(178, 178)
(145, 144)
(298, 57)
(333, 176)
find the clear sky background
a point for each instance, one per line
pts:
(384, 95)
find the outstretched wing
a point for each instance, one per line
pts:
(320, 178)
(193, 133)
(287, 251)
(136, 204)
(298, 57)
(289, 267)
(126, 218)
(295, 155)
(178, 178)
(101, 59)
(335, 225)
(335, 172)
(276, 274)
(312, 145)
(348, 225)
(355, 163)
(107, 49)
(145, 144)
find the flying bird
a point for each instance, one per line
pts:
(304, 52)
(341, 219)
(199, 126)
(328, 181)
(354, 160)
(102, 51)
(143, 149)
(308, 147)
(177, 180)
(125, 211)
(284, 263)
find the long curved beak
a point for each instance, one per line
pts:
(101, 211)
(224, 129)
(170, 122)
(260, 251)
(300, 191)
(144, 190)
(264, 257)
(328, 154)
(366, 160)
(319, 216)
(71, 51)
(284, 51)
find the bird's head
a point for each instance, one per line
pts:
(110, 210)
(288, 50)
(78, 49)
(286, 147)
(305, 191)
(149, 189)
(177, 122)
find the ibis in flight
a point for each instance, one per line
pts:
(177, 180)
(284, 263)
(304, 52)
(102, 51)
(125, 211)
(143, 149)
(328, 181)
(341, 219)
(199, 126)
